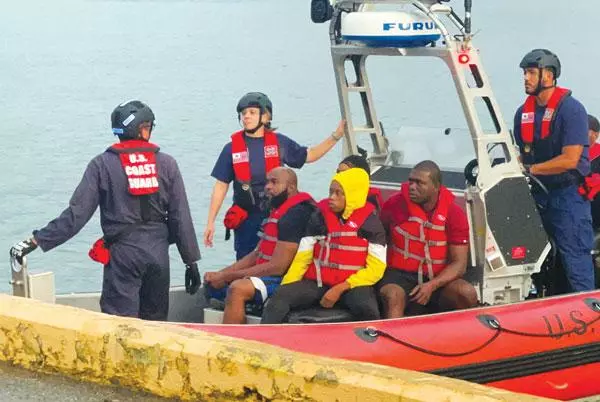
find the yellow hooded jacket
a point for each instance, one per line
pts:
(355, 183)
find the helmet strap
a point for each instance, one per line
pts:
(140, 136)
(541, 88)
(258, 126)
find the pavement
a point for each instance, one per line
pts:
(17, 384)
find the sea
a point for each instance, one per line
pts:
(65, 64)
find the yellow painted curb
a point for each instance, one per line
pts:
(193, 365)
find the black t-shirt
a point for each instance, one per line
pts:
(372, 229)
(292, 226)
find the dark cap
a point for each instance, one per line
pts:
(593, 123)
(357, 161)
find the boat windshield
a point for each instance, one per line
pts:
(451, 148)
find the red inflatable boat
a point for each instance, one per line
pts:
(548, 347)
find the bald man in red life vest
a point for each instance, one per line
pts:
(257, 275)
(428, 245)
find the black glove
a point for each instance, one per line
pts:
(22, 248)
(192, 278)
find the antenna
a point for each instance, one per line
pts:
(468, 4)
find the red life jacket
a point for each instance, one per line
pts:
(591, 183)
(241, 156)
(268, 235)
(138, 159)
(528, 116)
(421, 240)
(590, 186)
(342, 252)
(594, 151)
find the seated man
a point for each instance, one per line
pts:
(341, 257)
(427, 247)
(258, 274)
(358, 161)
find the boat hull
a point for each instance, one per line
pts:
(548, 347)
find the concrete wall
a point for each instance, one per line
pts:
(193, 365)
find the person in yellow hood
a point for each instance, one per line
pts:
(340, 258)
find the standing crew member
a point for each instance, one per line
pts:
(251, 154)
(256, 276)
(551, 130)
(340, 258)
(143, 204)
(428, 244)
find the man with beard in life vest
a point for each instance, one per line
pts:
(143, 206)
(428, 245)
(551, 130)
(340, 258)
(256, 276)
(245, 161)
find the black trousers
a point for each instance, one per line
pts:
(361, 301)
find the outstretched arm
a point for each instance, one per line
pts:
(315, 153)
(82, 205)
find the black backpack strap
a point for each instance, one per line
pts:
(145, 207)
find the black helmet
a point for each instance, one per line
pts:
(127, 117)
(542, 58)
(255, 99)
